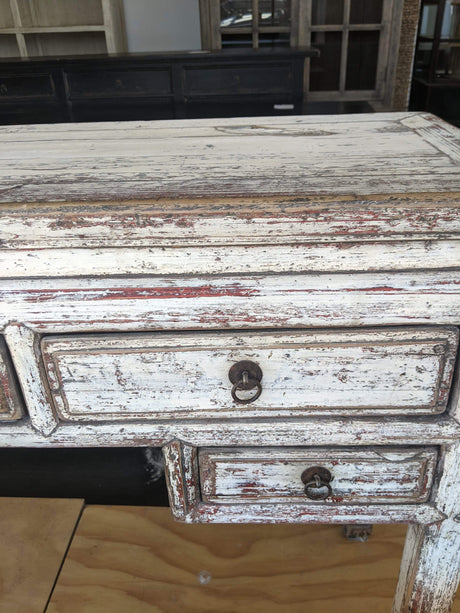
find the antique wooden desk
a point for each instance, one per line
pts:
(275, 302)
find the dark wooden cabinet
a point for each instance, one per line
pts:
(436, 82)
(154, 86)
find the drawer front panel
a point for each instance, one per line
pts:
(10, 403)
(138, 376)
(361, 476)
(26, 86)
(110, 83)
(233, 80)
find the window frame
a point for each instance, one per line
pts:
(301, 36)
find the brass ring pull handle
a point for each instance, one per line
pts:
(245, 376)
(317, 483)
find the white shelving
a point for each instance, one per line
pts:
(35, 28)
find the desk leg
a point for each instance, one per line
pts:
(430, 569)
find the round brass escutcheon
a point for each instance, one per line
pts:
(245, 376)
(317, 483)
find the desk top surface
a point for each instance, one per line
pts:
(344, 155)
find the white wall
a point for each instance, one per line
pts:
(162, 25)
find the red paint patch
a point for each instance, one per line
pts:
(138, 293)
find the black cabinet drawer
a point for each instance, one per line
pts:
(125, 83)
(26, 86)
(239, 79)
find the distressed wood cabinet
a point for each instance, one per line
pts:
(275, 302)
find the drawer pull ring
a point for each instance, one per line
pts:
(317, 483)
(245, 376)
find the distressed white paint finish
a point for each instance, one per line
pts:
(271, 156)
(180, 478)
(271, 301)
(23, 344)
(161, 376)
(273, 475)
(309, 514)
(430, 571)
(435, 430)
(180, 461)
(341, 257)
(275, 223)
(231, 221)
(10, 402)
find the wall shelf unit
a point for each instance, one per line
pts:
(35, 28)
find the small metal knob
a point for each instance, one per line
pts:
(317, 483)
(245, 376)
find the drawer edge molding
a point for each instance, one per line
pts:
(24, 346)
(338, 514)
(183, 481)
(440, 430)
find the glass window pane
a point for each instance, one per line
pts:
(325, 70)
(274, 12)
(423, 57)
(274, 39)
(230, 40)
(363, 50)
(451, 21)
(366, 11)
(454, 64)
(448, 61)
(327, 12)
(235, 13)
(428, 19)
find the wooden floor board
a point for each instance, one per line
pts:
(137, 560)
(34, 536)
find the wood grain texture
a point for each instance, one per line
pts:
(271, 220)
(142, 376)
(439, 430)
(240, 302)
(272, 157)
(417, 255)
(34, 537)
(139, 560)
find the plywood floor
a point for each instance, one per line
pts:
(34, 537)
(137, 560)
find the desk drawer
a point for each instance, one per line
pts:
(359, 476)
(27, 86)
(163, 376)
(10, 403)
